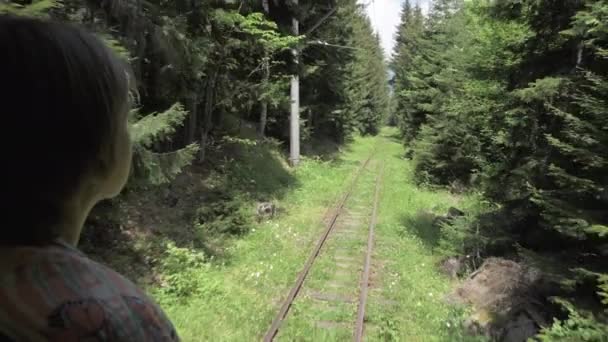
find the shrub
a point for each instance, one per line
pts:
(225, 215)
(466, 235)
(185, 273)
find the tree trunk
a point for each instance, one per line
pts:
(264, 104)
(263, 119)
(207, 115)
(191, 106)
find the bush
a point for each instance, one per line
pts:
(184, 273)
(466, 235)
(224, 215)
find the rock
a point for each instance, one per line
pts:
(266, 210)
(506, 298)
(452, 266)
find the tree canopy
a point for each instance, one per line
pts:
(202, 63)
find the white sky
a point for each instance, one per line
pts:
(385, 15)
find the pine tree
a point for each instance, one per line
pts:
(458, 141)
(339, 92)
(572, 201)
(521, 113)
(367, 84)
(407, 63)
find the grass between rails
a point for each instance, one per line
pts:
(335, 274)
(237, 299)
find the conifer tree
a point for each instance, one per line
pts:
(407, 63)
(520, 113)
(367, 84)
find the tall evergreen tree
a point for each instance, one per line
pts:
(367, 84)
(406, 59)
(514, 102)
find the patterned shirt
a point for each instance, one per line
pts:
(56, 293)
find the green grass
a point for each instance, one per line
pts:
(236, 299)
(244, 294)
(404, 255)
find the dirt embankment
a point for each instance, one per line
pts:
(507, 299)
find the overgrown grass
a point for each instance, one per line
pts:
(235, 299)
(406, 259)
(239, 297)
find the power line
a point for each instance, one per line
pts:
(324, 43)
(321, 21)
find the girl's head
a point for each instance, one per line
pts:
(63, 132)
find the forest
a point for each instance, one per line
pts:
(508, 98)
(499, 108)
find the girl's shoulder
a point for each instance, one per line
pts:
(58, 294)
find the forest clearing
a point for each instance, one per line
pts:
(288, 178)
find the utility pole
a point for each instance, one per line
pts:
(294, 136)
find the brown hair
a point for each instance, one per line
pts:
(62, 96)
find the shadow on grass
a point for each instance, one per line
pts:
(130, 234)
(422, 224)
(259, 170)
(392, 134)
(324, 148)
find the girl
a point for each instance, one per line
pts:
(64, 135)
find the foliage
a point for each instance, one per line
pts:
(366, 86)
(224, 215)
(184, 275)
(578, 326)
(37, 8)
(509, 99)
(409, 64)
(344, 79)
(155, 128)
(465, 236)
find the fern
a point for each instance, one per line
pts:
(157, 168)
(157, 126)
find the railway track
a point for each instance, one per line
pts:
(334, 215)
(360, 323)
